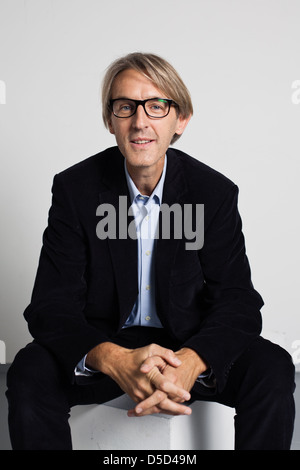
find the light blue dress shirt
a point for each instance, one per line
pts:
(146, 213)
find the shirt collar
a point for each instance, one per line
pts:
(157, 192)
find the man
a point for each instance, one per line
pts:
(117, 310)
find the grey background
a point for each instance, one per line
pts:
(240, 61)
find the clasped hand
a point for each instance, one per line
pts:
(157, 379)
(171, 375)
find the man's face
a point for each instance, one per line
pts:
(131, 132)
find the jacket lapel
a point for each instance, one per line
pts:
(175, 188)
(123, 251)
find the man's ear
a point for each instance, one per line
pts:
(110, 126)
(182, 122)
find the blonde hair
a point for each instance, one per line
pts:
(156, 69)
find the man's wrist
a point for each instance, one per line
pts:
(82, 369)
(199, 364)
(103, 356)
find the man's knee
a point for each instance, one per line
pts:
(38, 401)
(273, 365)
(31, 369)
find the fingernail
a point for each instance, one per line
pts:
(186, 396)
(177, 361)
(188, 411)
(138, 410)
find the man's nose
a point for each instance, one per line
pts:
(140, 118)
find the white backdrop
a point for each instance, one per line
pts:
(240, 60)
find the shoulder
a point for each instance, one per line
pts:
(92, 168)
(200, 178)
(205, 185)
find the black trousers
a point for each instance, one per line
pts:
(260, 387)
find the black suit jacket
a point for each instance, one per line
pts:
(86, 287)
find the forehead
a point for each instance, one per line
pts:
(133, 84)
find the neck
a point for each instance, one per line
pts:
(146, 178)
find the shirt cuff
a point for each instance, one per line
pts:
(81, 368)
(207, 378)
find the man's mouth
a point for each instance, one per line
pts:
(141, 141)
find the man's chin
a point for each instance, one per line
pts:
(140, 161)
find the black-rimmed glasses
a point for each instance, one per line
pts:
(154, 107)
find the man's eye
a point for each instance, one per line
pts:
(126, 107)
(156, 107)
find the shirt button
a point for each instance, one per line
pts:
(148, 253)
(147, 217)
(148, 287)
(148, 318)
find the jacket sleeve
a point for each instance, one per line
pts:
(55, 315)
(232, 304)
